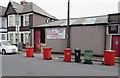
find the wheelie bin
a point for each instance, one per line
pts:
(29, 51)
(67, 55)
(47, 53)
(88, 55)
(109, 57)
(77, 55)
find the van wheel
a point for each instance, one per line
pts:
(3, 52)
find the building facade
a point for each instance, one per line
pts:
(95, 33)
(23, 16)
(3, 24)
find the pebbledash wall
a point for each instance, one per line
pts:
(83, 37)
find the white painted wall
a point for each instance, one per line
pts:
(3, 27)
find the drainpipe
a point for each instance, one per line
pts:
(105, 36)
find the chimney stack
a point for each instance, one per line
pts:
(23, 2)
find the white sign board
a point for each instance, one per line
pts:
(55, 33)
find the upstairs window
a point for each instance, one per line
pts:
(26, 20)
(10, 21)
(3, 23)
(113, 29)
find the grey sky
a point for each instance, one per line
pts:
(79, 8)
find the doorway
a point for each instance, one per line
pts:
(116, 45)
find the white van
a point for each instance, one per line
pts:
(7, 47)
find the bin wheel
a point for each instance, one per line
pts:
(33, 56)
(63, 59)
(50, 58)
(47, 59)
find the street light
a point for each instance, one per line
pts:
(17, 29)
(17, 26)
(68, 25)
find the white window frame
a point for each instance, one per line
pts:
(24, 20)
(13, 20)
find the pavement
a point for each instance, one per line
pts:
(20, 65)
(61, 57)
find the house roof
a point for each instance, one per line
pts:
(78, 21)
(2, 10)
(30, 7)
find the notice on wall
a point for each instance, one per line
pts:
(55, 33)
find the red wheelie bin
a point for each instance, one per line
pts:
(47, 53)
(109, 57)
(29, 51)
(67, 55)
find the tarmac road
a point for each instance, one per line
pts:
(19, 65)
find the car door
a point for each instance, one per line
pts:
(0, 47)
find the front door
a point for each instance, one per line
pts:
(37, 40)
(116, 45)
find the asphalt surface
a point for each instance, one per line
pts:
(19, 65)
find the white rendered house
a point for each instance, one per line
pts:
(3, 24)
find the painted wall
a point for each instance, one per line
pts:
(38, 20)
(3, 28)
(83, 37)
(88, 37)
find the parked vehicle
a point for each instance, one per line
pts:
(7, 47)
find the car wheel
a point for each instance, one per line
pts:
(3, 52)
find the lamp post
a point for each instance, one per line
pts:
(68, 25)
(17, 25)
(17, 29)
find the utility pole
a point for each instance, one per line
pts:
(68, 25)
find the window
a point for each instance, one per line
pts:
(26, 20)
(10, 21)
(3, 23)
(113, 29)
(3, 36)
(11, 37)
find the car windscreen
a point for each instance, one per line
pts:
(7, 43)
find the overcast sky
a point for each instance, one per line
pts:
(78, 8)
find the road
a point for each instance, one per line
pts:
(19, 65)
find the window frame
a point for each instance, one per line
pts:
(112, 32)
(26, 20)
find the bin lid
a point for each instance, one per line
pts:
(77, 48)
(111, 50)
(29, 46)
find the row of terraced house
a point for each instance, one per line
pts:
(98, 33)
